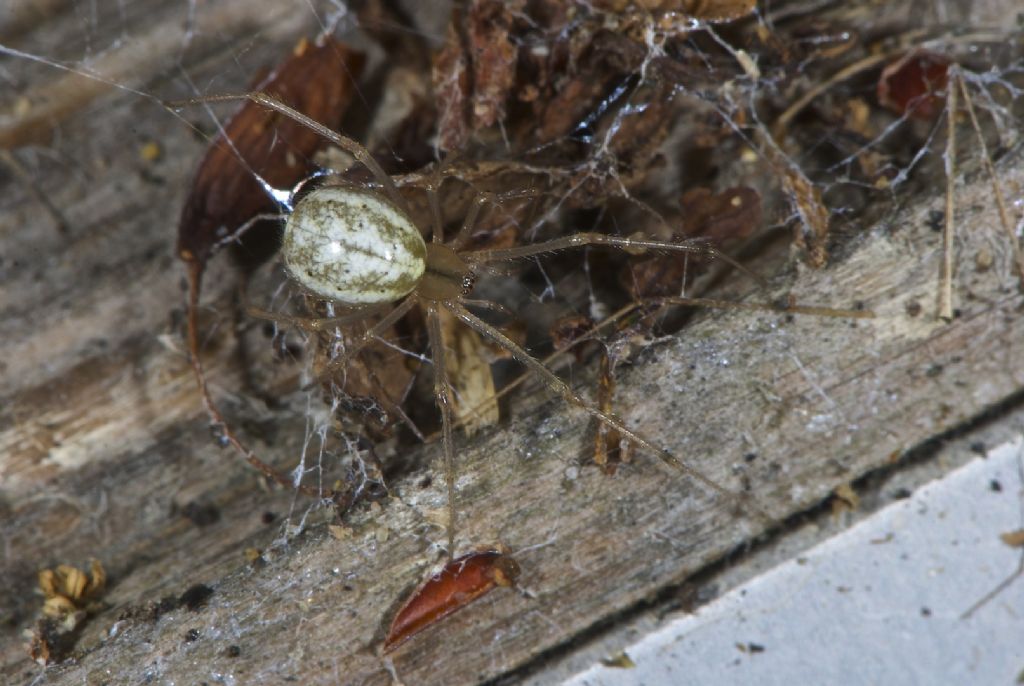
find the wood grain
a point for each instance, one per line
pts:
(103, 440)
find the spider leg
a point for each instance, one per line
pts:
(373, 332)
(754, 306)
(314, 324)
(580, 240)
(560, 388)
(344, 142)
(445, 401)
(488, 305)
(292, 482)
(433, 188)
(484, 198)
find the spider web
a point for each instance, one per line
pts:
(96, 58)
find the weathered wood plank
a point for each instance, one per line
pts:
(103, 440)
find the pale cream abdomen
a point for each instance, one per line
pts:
(353, 246)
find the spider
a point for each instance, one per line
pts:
(359, 248)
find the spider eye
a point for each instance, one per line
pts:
(468, 281)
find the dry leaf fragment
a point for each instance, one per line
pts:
(459, 583)
(913, 85)
(844, 498)
(1014, 539)
(67, 590)
(620, 660)
(470, 372)
(225, 192)
(811, 232)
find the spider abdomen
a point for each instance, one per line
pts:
(353, 246)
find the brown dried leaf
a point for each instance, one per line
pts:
(470, 373)
(1014, 539)
(913, 85)
(225, 194)
(458, 584)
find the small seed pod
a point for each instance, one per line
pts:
(462, 581)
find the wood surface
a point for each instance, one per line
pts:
(104, 443)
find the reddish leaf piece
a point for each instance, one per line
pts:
(317, 80)
(913, 84)
(462, 581)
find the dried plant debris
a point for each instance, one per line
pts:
(70, 597)
(1014, 539)
(70, 594)
(844, 499)
(914, 84)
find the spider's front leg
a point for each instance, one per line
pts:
(445, 402)
(580, 240)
